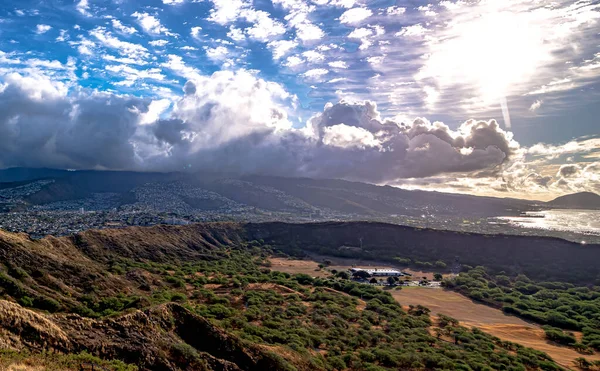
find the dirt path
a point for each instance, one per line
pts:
(488, 319)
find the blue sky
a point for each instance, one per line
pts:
(533, 66)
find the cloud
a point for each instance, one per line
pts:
(83, 7)
(123, 47)
(131, 75)
(42, 28)
(226, 11)
(315, 73)
(280, 48)
(158, 42)
(355, 15)
(195, 31)
(412, 31)
(338, 64)
(535, 105)
(122, 28)
(264, 27)
(151, 24)
(236, 34)
(41, 126)
(395, 10)
(237, 122)
(309, 32)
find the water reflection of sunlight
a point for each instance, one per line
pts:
(578, 221)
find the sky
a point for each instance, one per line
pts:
(488, 97)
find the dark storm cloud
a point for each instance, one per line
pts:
(234, 122)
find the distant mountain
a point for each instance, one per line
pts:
(326, 198)
(289, 195)
(20, 174)
(582, 200)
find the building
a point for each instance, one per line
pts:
(378, 272)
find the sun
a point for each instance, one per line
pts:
(492, 54)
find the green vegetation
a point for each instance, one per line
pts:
(293, 322)
(560, 306)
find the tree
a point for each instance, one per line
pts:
(391, 281)
(582, 363)
(373, 280)
(361, 275)
(343, 275)
(437, 277)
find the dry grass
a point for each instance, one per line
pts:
(295, 266)
(488, 319)
(24, 367)
(15, 320)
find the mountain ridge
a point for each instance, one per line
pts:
(580, 200)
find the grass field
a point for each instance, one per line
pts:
(298, 266)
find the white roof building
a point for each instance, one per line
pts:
(378, 271)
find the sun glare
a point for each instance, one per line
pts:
(493, 54)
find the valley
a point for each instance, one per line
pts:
(145, 295)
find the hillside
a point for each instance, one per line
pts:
(153, 296)
(188, 192)
(537, 257)
(582, 200)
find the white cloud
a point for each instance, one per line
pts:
(395, 10)
(309, 32)
(195, 31)
(280, 48)
(124, 60)
(226, 11)
(122, 28)
(187, 47)
(155, 109)
(236, 34)
(338, 64)
(63, 36)
(151, 24)
(355, 15)
(83, 7)
(365, 34)
(177, 65)
(313, 56)
(315, 73)
(158, 42)
(535, 105)
(342, 3)
(173, 2)
(131, 75)
(376, 59)
(345, 136)
(264, 28)
(217, 54)
(42, 28)
(412, 31)
(293, 61)
(124, 47)
(427, 10)
(85, 49)
(452, 5)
